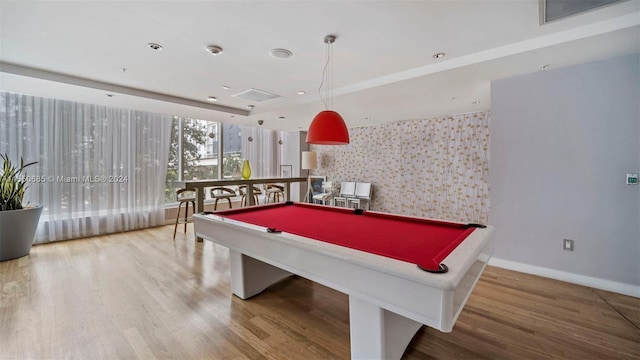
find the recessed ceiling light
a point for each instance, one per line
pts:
(438, 55)
(155, 46)
(301, 92)
(476, 102)
(225, 87)
(281, 118)
(250, 107)
(212, 99)
(544, 67)
(280, 53)
(453, 98)
(110, 95)
(367, 118)
(214, 49)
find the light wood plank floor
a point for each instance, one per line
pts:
(143, 295)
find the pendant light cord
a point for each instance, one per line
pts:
(330, 76)
(324, 76)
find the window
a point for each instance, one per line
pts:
(200, 159)
(232, 152)
(194, 152)
(261, 148)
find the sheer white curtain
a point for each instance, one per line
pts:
(100, 169)
(262, 151)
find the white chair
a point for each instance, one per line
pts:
(362, 195)
(326, 197)
(347, 191)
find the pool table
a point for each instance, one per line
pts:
(400, 272)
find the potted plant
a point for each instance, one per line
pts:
(18, 223)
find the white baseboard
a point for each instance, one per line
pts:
(602, 284)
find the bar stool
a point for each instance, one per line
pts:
(273, 190)
(184, 196)
(222, 193)
(242, 189)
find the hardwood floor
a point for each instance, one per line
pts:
(143, 295)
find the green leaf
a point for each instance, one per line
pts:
(12, 183)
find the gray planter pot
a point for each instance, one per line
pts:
(17, 232)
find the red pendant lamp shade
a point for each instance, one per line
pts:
(328, 128)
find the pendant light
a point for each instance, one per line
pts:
(328, 127)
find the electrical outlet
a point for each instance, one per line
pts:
(567, 244)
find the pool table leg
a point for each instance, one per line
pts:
(377, 333)
(250, 276)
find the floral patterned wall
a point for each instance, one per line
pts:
(436, 168)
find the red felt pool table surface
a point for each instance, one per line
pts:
(419, 241)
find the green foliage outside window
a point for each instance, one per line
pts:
(195, 135)
(200, 148)
(231, 164)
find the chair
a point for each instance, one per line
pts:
(273, 190)
(184, 196)
(222, 193)
(362, 195)
(242, 190)
(347, 191)
(326, 197)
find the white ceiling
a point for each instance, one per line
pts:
(383, 64)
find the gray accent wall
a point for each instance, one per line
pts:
(562, 142)
(294, 144)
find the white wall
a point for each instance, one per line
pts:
(561, 144)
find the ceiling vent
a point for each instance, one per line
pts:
(256, 95)
(551, 10)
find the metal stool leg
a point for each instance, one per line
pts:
(186, 215)
(175, 227)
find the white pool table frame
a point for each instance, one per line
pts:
(389, 300)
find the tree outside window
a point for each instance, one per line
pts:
(200, 152)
